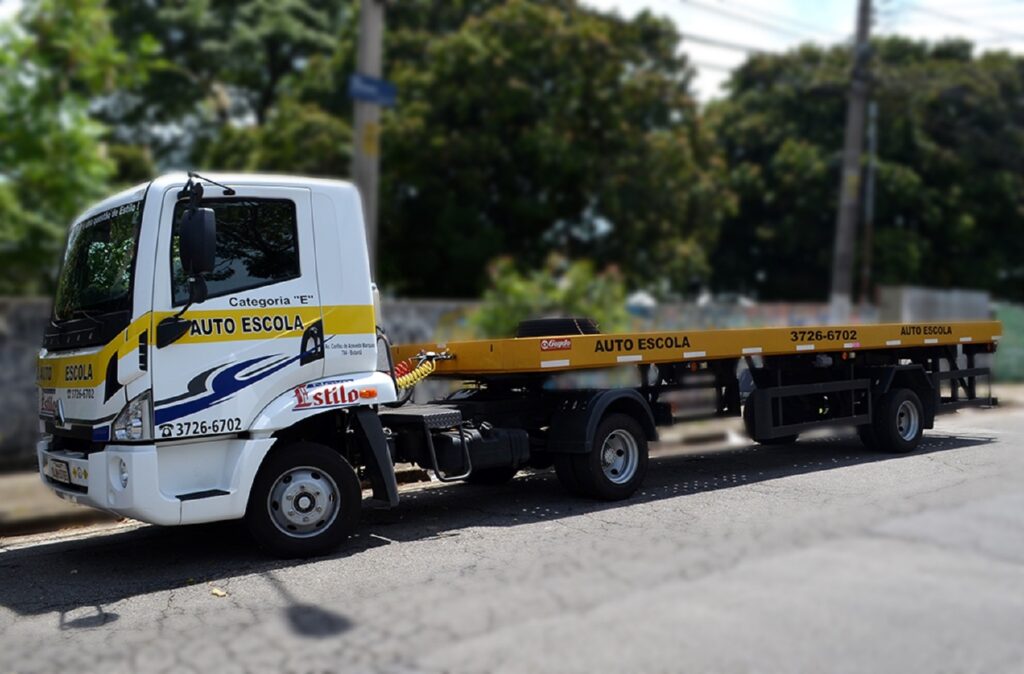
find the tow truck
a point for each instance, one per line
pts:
(213, 355)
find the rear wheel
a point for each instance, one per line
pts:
(899, 422)
(615, 466)
(304, 502)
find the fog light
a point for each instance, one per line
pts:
(122, 470)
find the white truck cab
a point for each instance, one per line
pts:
(175, 433)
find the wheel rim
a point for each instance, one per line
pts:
(303, 502)
(908, 420)
(619, 456)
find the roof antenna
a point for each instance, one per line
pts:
(228, 192)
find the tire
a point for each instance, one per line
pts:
(616, 464)
(748, 424)
(899, 422)
(308, 476)
(557, 327)
(492, 477)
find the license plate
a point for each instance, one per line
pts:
(59, 471)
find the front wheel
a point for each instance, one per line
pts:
(304, 502)
(614, 467)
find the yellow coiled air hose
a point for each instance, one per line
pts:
(416, 375)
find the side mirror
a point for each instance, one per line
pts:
(198, 242)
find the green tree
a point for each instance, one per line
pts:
(55, 61)
(296, 138)
(559, 288)
(522, 127)
(540, 126)
(950, 179)
(225, 65)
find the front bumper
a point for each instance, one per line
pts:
(183, 483)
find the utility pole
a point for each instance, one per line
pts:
(849, 182)
(869, 204)
(366, 131)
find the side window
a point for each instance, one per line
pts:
(257, 244)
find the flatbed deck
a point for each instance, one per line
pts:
(581, 352)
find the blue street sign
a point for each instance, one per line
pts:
(372, 90)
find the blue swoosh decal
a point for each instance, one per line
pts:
(224, 384)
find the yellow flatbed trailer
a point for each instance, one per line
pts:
(889, 381)
(579, 352)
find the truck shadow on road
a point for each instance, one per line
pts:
(84, 574)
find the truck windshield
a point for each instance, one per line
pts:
(96, 275)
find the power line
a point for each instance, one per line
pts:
(960, 21)
(723, 44)
(799, 23)
(745, 19)
(983, 6)
(721, 67)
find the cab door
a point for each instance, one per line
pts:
(259, 332)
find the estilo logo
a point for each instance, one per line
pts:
(331, 394)
(563, 344)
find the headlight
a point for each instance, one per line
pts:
(135, 422)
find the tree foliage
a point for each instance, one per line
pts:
(544, 126)
(53, 64)
(559, 288)
(523, 127)
(949, 180)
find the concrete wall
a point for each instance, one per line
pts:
(907, 304)
(21, 330)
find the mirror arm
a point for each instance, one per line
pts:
(173, 328)
(185, 308)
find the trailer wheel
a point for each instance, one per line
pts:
(748, 424)
(899, 421)
(304, 502)
(615, 466)
(492, 477)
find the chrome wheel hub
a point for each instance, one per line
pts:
(303, 502)
(908, 420)
(620, 456)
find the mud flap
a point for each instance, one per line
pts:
(379, 467)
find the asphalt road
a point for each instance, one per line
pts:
(818, 557)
